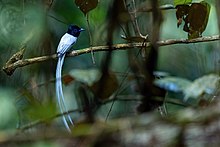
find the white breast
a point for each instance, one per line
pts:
(66, 43)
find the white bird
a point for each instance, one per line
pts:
(66, 42)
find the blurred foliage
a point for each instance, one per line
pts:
(28, 96)
(182, 2)
(8, 113)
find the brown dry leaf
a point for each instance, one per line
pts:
(181, 12)
(86, 5)
(67, 79)
(195, 17)
(198, 19)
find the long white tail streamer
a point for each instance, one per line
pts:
(59, 92)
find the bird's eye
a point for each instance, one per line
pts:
(75, 30)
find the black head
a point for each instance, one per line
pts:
(74, 30)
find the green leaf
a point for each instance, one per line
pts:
(86, 5)
(182, 2)
(41, 111)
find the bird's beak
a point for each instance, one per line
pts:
(82, 30)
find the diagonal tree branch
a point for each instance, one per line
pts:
(9, 68)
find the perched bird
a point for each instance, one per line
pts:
(66, 42)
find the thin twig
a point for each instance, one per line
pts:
(37, 122)
(218, 12)
(137, 98)
(24, 62)
(149, 9)
(133, 16)
(58, 19)
(90, 38)
(122, 82)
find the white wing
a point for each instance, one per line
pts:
(66, 43)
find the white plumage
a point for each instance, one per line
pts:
(65, 44)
